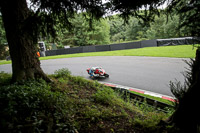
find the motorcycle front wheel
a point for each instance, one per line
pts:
(106, 75)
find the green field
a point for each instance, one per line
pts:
(181, 51)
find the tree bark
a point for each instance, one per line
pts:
(25, 63)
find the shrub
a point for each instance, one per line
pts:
(64, 72)
(5, 78)
(179, 90)
(33, 107)
(105, 95)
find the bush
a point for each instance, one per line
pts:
(33, 107)
(64, 72)
(179, 90)
(105, 96)
(5, 78)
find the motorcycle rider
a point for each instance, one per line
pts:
(97, 72)
(93, 71)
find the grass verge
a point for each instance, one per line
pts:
(180, 51)
(72, 104)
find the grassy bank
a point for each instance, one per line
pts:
(72, 104)
(180, 51)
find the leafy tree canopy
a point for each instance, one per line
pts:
(82, 34)
(46, 13)
(189, 11)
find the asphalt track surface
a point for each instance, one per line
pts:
(147, 73)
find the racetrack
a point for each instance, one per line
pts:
(147, 73)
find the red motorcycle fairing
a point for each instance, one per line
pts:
(98, 72)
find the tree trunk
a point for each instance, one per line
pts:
(25, 63)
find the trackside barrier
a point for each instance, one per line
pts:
(121, 46)
(89, 49)
(100, 48)
(178, 41)
(126, 94)
(132, 45)
(76, 50)
(117, 47)
(141, 99)
(148, 43)
(50, 52)
(62, 51)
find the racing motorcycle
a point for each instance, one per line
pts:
(97, 72)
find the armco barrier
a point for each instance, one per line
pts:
(100, 48)
(148, 43)
(163, 42)
(196, 40)
(117, 46)
(62, 51)
(89, 49)
(76, 50)
(189, 40)
(50, 52)
(178, 41)
(132, 45)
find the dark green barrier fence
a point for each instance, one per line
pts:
(121, 46)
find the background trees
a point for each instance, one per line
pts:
(3, 41)
(162, 27)
(113, 30)
(83, 34)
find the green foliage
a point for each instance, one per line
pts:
(117, 29)
(178, 89)
(162, 27)
(5, 78)
(33, 107)
(105, 96)
(2, 32)
(187, 95)
(150, 118)
(84, 34)
(135, 30)
(64, 72)
(3, 52)
(70, 104)
(189, 14)
(149, 122)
